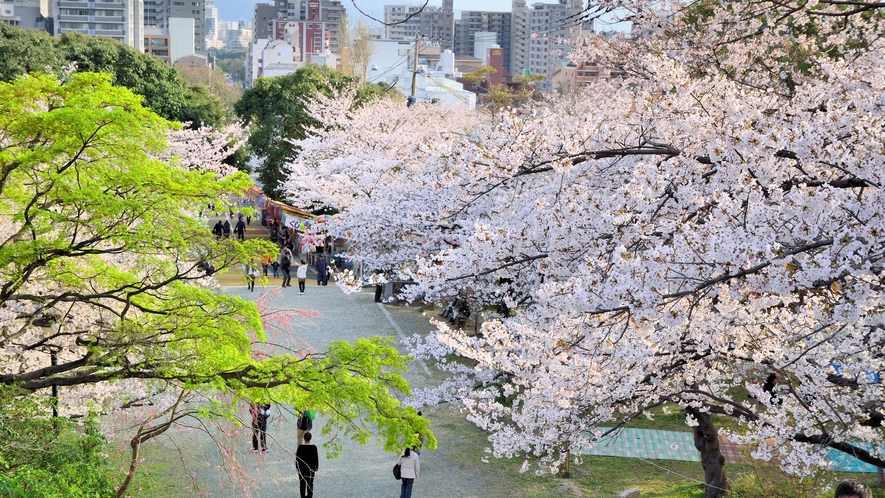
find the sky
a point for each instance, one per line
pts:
(242, 10)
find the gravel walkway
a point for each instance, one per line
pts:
(362, 470)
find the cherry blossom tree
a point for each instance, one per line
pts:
(669, 244)
(102, 291)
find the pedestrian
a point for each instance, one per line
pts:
(274, 235)
(218, 230)
(304, 423)
(226, 228)
(276, 268)
(301, 275)
(252, 273)
(286, 265)
(265, 262)
(769, 388)
(240, 230)
(260, 413)
(410, 467)
(853, 489)
(421, 438)
(308, 461)
(248, 219)
(322, 269)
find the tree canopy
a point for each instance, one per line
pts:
(101, 287)
(274, 110)
(165, 92)
(670, 244)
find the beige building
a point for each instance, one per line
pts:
(569, 76)
(156, 43)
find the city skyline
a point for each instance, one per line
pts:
(242, 10)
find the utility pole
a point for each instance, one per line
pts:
(412, 98)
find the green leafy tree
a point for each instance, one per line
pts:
(232, 62)
(101, 281)
(25, 51)
(275, 111)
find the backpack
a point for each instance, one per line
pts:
(304, 422)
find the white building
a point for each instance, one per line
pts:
(392, 63)
(122, 20)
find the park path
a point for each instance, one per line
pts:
(363, 470)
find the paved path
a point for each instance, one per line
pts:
(362, 470)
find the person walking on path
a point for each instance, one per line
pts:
(853, 489)
(301, 275)
(260, 413)
(322, 269)
(286, 265)
(410, 467)
(308, 462)
(304, 424)
(240, 229)
(226, 228)
(218, 230)
(265, 262)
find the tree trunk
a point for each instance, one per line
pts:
(706, 440)
(880, 482)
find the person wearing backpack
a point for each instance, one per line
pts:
(305, 423)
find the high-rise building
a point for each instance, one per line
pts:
(261, 20)
(436, 25)
(402, 22)
(332, 12)
(159, 13)
(548, 24)
(474, 21)
(519, 37)
(121, 20)
(211, 21)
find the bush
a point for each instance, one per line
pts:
(45, 457)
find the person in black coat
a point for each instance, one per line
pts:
(217, 230)
(240, 230)
(226, 228)
(308, 460)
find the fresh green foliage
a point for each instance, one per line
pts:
(102, 235)
(46, 457)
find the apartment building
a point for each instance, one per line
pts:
(122, 20)
(472, 22)
(548, 23)
(160, 13)
(438, 25)
(434, 24)
(211, 26)
(519, 37)
(332, 12)
(30, 14)
(261, 20)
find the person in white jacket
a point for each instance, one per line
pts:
(301, 275)
(410, 467)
